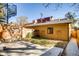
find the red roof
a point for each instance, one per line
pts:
(42, 20)
(38, 21)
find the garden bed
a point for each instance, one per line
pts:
(47, 42)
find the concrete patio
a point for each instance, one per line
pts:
(21, 48)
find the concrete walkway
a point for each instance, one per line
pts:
(72, 48)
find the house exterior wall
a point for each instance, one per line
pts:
(78, 37)
(60, 31)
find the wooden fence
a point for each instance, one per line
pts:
(78, 37)
(75, 34)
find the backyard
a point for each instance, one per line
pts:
(31, 35)
(12, 45)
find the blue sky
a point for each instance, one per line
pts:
(33, 10)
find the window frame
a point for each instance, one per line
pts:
(50, 30)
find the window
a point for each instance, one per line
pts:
(50, 30)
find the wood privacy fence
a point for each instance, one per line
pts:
(75, 34)
(78, 37)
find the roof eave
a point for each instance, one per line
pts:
(49, 23)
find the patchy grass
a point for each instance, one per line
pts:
(47, 42)
(61, 44)
(43, 42)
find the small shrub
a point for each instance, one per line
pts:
(29, 35)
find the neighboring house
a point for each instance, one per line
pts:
(51, 28)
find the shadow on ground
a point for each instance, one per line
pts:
(22, 50)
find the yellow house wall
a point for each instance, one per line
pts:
(78, 37)
(60, 31)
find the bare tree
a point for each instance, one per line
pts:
(74, 6)
(70, 15)
(21, 21)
